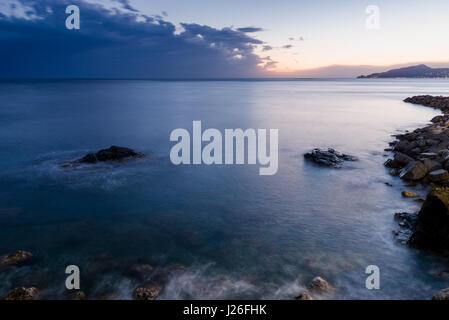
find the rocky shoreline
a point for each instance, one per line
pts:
(422, 157)
(150, 282)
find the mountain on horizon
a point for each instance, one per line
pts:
(418, 71)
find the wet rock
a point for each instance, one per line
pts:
(408, 194)
(149, 291)
(400, 160)
(22, 293)
(304, 296)
(406, 219)
(432, 228)
(16, 259)
(439, 176)
(429, 154)
(413, 171)
(329, 157)
(113, 153)
(319, 285)
(432, 165)
(394, 172)
(77, 295)
(441, 295)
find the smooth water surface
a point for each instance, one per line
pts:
(240, 235)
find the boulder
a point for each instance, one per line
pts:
(22, 293)
(319, 285)
(113, 153)
(16, 259)
(400, 160)
(413, 171)
(149, 291)
(441, 295)
(329, 157)
(439, 176)
(408, 194)
(432, 165)
(432, 228)
(304, 296)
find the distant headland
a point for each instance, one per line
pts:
(419, 71)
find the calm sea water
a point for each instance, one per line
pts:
(239, 234)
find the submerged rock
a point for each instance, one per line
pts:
(304, 296)
(16, 259)
(22, 293)
(113, 153)
(149, 291)
(77, 295)
(441, 295)
(329, 157)
(319, 285)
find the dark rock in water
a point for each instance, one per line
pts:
(405, 219)
(439, 176)
(22, 294)
(148, 291)
(407, 222)
(319, 285)
(432, 229)
(329, 157)
(415, 170)
(400, 160)
(77, 295)
(114, 153)
(441, 295)
(16, 259)
(304, 296)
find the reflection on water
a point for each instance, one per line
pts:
(240, 235)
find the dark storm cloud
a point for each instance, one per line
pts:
(115, 43)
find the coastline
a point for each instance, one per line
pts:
(421, 158)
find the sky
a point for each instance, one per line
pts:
(216, 39)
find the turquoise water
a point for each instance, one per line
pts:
(239, 234)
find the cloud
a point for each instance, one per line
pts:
(287, 46)
(118, 42)
(125, 4)
(250, 29)
(267, 48)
